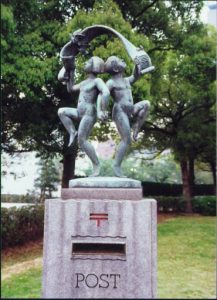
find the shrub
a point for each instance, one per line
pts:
(20, 225)
(168, 204)
(28, 198)
(167, 189)
(205, 205)
(161, 189)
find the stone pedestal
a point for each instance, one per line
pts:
(100, 242)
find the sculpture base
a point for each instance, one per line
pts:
(99, 249)
(103, 188)
(104, 182)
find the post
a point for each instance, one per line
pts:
(100, 241)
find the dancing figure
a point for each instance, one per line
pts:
(124, 111)
(92, 101)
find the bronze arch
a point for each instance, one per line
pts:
(81, 38)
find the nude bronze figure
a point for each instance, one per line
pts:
(124, 110)
(93, 97)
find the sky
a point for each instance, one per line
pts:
(209, 15)
(21, 171)
(25, 165)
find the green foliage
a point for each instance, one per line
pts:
(205, 205)
(7, 26)
(166, 22)
(27, 70)
(202, 173)
(30, 89)
(28, 198)
(186, 93)
(183, 116)
(161, 169)
(106, 168)
(169, 204)
(20, 225)
(48, 178)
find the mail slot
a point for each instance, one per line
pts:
(99, 248)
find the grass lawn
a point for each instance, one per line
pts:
(186, 263)
(25, 285)
(186, 258)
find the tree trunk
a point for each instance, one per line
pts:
(42, 195)
(191, 175)
(213, 169)
(69, 165)
(186, 190)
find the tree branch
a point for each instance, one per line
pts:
(145, 8)
(194, 108)
(158, 152)
(11, 152)
(161, 49)
(155, 128)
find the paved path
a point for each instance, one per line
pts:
(21, 267)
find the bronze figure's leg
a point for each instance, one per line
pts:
(66, 115)
(140, 111)
(123, 126)
(84, 131)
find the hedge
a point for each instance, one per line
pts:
(28, 198)
(167, 189)
(19, 225)
(205, 205)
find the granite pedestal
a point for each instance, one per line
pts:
(100, 241)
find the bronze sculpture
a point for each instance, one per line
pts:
(93, 90)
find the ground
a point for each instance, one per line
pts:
(186, 261)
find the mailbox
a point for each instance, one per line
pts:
(99, 248)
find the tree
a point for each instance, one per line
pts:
(182, 86)
(183, 103)
(166, 23)
(48, 179)
(30, 89)
(142, 166)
